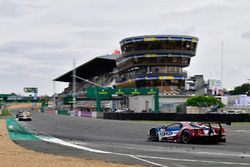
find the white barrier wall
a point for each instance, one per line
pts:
(94, 115)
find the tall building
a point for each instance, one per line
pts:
(155, 61)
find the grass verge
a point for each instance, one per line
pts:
(5, 112)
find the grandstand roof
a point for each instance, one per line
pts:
(94, 67)
(158, 37)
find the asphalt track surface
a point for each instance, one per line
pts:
(126, 142)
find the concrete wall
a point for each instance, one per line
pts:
(192, 110)
(141, 103)
(197, 110)
(173, 99)
(167, 104)
(73, 113)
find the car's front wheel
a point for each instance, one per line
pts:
(153, 135)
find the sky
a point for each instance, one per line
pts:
(40, 38)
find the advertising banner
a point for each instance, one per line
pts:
(216, 87)
(30, 90)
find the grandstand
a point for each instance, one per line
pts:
(146, 61)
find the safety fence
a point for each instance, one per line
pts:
(179, 117)
(156, 116)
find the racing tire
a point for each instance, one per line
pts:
(153, 136)
(185, 137)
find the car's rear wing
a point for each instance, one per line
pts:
(219, 123)
(211, 128)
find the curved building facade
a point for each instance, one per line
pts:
(155, 61)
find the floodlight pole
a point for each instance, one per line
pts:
(74, 84)
(222, 44)
(98, 98)
(54, 92)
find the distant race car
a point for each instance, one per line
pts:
(24, 115)
(188, 132)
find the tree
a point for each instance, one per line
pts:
(204, 101)
(243, 89)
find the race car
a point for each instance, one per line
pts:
(188, 132)
(24, 115)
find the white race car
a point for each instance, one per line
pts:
(24, 115)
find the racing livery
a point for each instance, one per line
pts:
(24, 115)
(187, 132)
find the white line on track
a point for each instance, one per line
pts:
(223, 154)
(142, 157)
(150, 162)
(193, 160)
(241, 131)
(61, 142)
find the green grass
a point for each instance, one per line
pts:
(5, 112)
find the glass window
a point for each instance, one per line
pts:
(175, 126)
(159, 45)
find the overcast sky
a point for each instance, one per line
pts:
(40, 38)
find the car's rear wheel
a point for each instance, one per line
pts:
(153, 135)
(185, 137)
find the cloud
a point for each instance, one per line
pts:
(16, 8)
(246, 35)
(27, 46)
